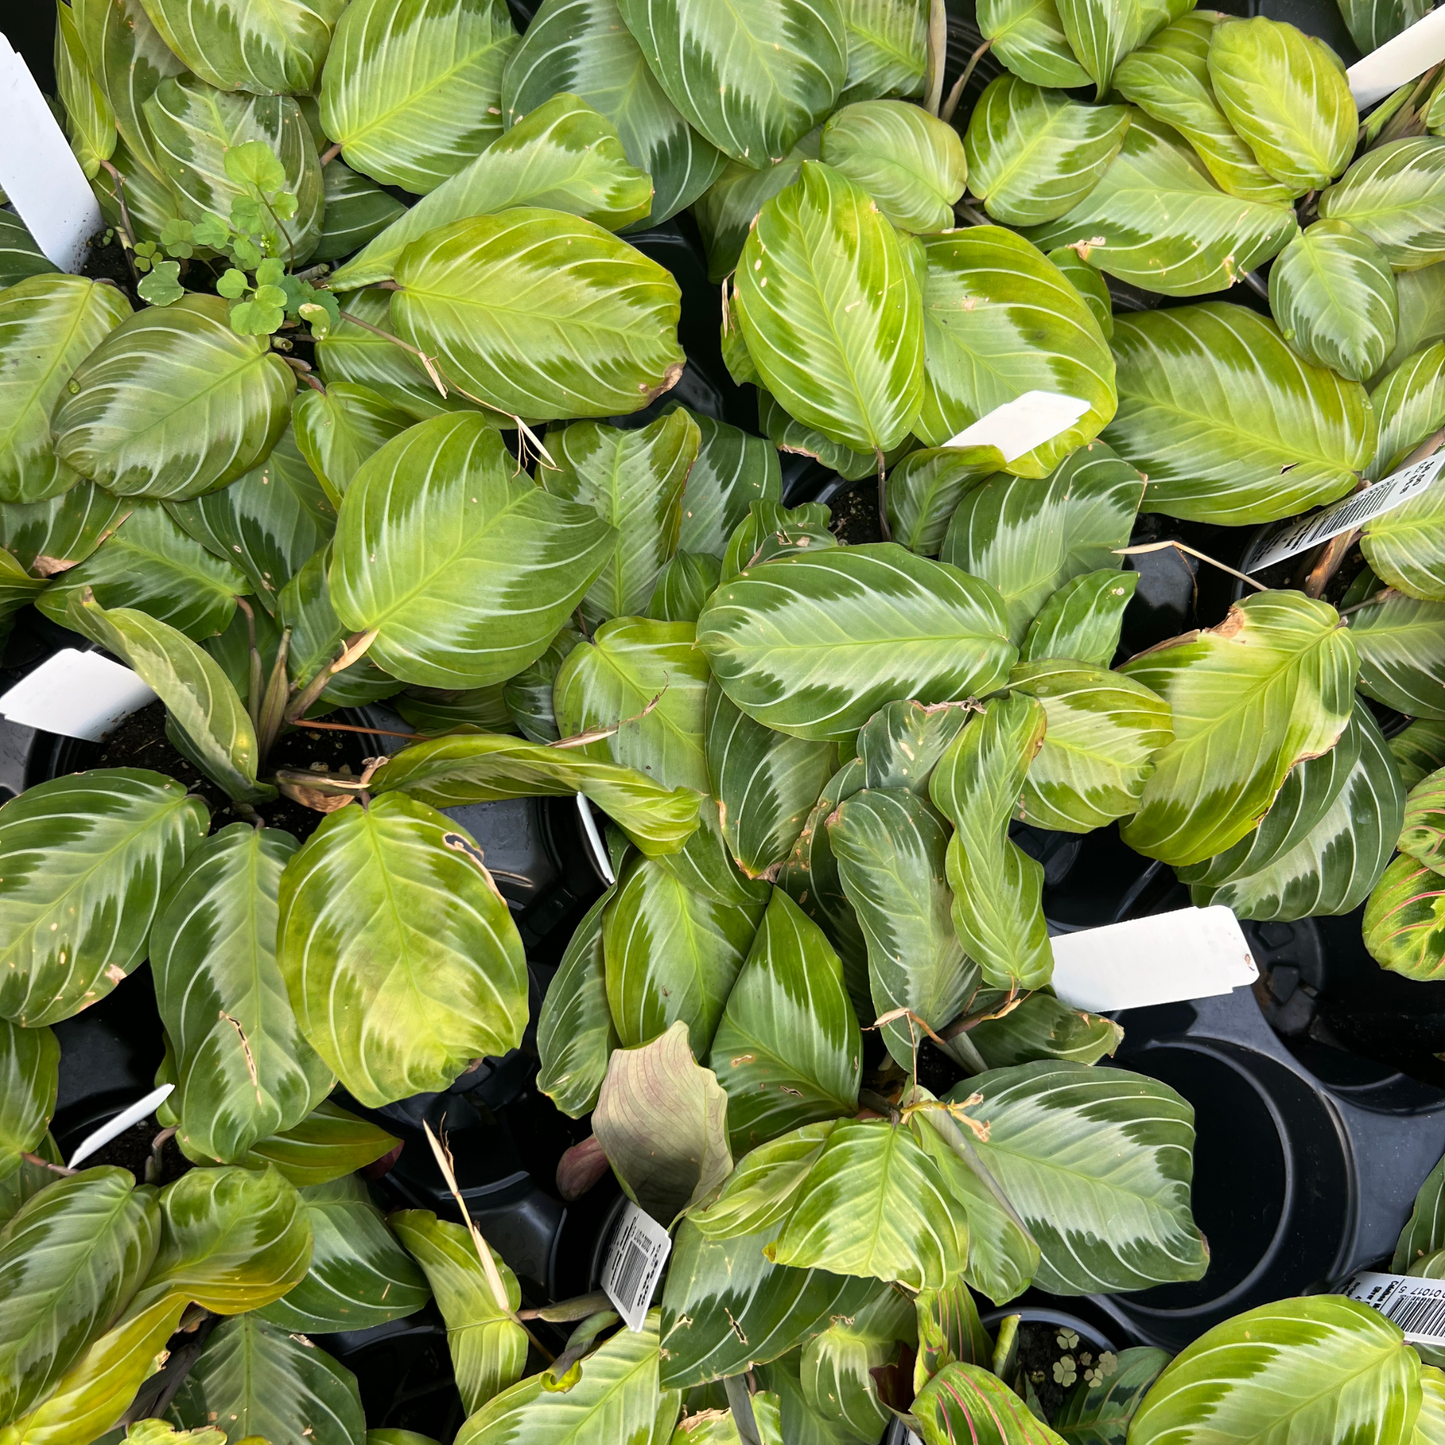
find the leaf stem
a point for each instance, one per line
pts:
(956, 94)
(1184, 547)
(937, 59)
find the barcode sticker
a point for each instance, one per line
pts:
(639, 1249)
(1354, 511)
(1020, 425)
(1416, 1305)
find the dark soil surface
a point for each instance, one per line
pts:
(855, 513)
(1053, 1361)
(132, 1150)
(140, 742)
(107, 262)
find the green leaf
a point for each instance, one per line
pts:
(434, 980)
(822, 261)
(327, 1144)
(1286, 95)
(925, 488)
(615, 1400)
(273, 48)
(1403, 930)
(359, 1275)
(763, 1188)
(1082, 620)
(1401, 645)
(683, 586)
(726, 210)
(29, 1078)
(20, 257)
(968, 1402)
(890, 846)
(887, 42)
(216, 731)
(1042, 1027)
(1275, 674)
(837, 1373)
(1029, 538)
(1418, 750)
(1102, 32)
(704, 865)
(539, 314)
(662, 1121)
(874, 1204)
(609, 682)
(196, 133)
(128, 59)
(999, 320)
(1424, 1232)
(48, 326)
(1373, 22)
(85, 861)
(575, 1033)
(996, 887)
(1422, 831)
(17, 587)
(1333, 293)
(562, 155)
(1098, 1163)
(339, 429)
(488, 1346)
(150, 564)
(752, 77)
(52, 536)
(1227, 423)
(452, 772)
(672, 954)
(634, 481)
(520, 559)
(528, 695)
(773, 530)
(910, 162)
(902, 742)
(444, 710)
(161, 286)
(1410, 404)
(253, 1379)
(1324, 843)
(1033, 155)
(766, 783)
(90, 121)
(1168, 78)
(1325, 1370)
(28, 1180)
(582, 48)
(1430, 1422)
(173, 403)
(787, 1050)
(1028, 37)
(1102, 734)
(355, 213)
(70, 1261)
(243, 1069)
(1089, 284)
(1099, 1413)
(804, 644)
(1422, 312)
(413, 92)
(1392, 194)
(727, 1308)
(732, 470)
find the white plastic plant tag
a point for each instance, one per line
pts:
(1383, 496)
(639, 1249)
(1416, 1305)
(38, 171)
(77, 694)
(1165, 958)
(594, 839)
(1409, 54)
(1020, 425)
(117, 1126)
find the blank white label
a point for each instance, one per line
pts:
(1416, 1305)
(1020, 425)
(77, 694)
(639, 1249)
(38, 171)
(1399, 60)
(1165, 958)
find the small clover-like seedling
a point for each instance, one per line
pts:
(1065, 1372)
(162, 286)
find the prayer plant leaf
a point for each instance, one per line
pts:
(437, 977)
(1323, 1369)
(173, 403)
(997, 888)
(1392, 194)
(1401, 645)
(1034, 154)
(356, 211)
(1228, 424)
(243, 1071)
(538, 314)
(1028, 37)
(682, 587)
(662, 1121)
(1099, 1413)
(964, 1401)
(50, 537)
(1419, 750)
(925, 488)
(829, 307)
(787, 1050)
(326, 1145)
(1000, 319)
(412, 92)
(75, 918)
(1269, 686)
(1042, 1027)
(752, 77)
(837, 1368)
(575, 1033)
(1102, 32)
(1402, 927)
(733, 470)
(1082, 620)
(887, 48)
(804, 645)
(1410, 404)
(29, 1080)
(338, 429)
(48, 326)
(1156, 222)
(476, 566)
(1098, 1163)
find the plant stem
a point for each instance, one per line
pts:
(937, 55)
(956, 94)
(1184, 547)
(330, 153)
(351, 651)
(378, 732)
(883, 526)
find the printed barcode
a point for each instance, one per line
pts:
(1421, 1313)
(639, 1249)
(634, 1267)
